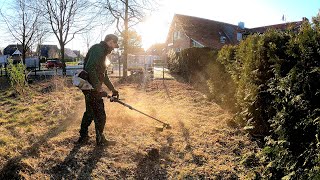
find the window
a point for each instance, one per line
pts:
(195, 44)
(223, 39)
(239, 36)
(176, 35)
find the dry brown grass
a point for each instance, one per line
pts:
(25, 119)
(200, 144)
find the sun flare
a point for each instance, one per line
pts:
(153, 30)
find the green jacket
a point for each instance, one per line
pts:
(95, 65)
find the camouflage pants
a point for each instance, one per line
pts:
(94, 111)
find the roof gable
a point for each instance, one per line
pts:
(205, 31)
(10, 49)
(69, 53)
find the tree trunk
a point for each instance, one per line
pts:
(125, 43)
(23, 56)
(64, 71)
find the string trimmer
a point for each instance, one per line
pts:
(116, 99)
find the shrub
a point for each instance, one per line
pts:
(16, 73)
(221, 86)
(294, 142)
(189, 62)
(274, 79)
(200, 67)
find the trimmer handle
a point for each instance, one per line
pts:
(112, 98)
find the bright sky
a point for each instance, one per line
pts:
(253, 13)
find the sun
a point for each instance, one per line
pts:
(153, 30)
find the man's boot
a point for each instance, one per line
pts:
(83, 139)
(102, 141)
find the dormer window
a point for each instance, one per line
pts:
(239, 36)
(223, 39)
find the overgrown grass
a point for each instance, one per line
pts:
(34, 113)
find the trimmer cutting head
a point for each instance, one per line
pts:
(164, 126)
(167, 126)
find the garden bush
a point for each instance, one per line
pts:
(277, 79)
(272, 80)
(16, 73)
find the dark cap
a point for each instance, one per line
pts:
(112, 37)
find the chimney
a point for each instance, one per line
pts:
(241, 25)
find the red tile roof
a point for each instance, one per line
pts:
(282, 27)
(207, 32)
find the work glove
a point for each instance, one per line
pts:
(115, 94)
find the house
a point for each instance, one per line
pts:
(77, 53)
(188, 31)
(10, 49)
(14, 51)
(48, 51)
(69, 54)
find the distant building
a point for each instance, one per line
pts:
(48, 51)
(10, 49)
(69, 54)
(188, 31)
(14, 51)
(77, 53)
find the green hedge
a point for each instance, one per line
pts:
(272, 82)
(277, 90)
(200, 67)
(190, 61)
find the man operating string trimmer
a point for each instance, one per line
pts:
(89, 81)
(95, 73)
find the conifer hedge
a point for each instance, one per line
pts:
(273, 82)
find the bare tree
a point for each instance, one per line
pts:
(126, 14)
(67, 18)
(89, 37)
(23, 23)
(134, 42)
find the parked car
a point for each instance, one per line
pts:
(54, 63)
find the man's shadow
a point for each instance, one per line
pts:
(95, 155)
(77, 168)
(66, 168)
(11, 169)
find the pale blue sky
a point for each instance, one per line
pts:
(253, 13)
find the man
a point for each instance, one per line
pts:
(95, 66)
